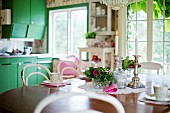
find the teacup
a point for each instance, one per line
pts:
(56, 78)
(160, 91)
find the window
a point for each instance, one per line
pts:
(67, 28)
(137, 27)
(153, 31)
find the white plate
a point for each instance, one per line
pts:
(152, 97)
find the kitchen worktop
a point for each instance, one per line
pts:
(31, 55)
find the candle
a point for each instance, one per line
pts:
(116, 43)
(136, 45)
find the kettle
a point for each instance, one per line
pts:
(27, 50)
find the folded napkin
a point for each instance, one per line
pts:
(55, 84)
(111, 88)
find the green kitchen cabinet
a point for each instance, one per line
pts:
(36, 28)
(15, 30)
(21, 11)
(8, 76)
(20, 18)
(38, 12)
(36, 31)
(28, 19)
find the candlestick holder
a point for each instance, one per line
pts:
(135, 80)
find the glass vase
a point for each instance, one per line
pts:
(99, 85)
(120, 75)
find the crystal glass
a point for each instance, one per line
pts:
(99, 85)
(120, 74)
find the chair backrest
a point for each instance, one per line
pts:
(104, 97)
(68, 69)
(151, 66)
(25, 80)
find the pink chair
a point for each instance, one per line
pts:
(67, 67)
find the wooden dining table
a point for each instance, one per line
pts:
(24, 99)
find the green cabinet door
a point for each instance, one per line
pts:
(8, 76)
(36, 28)
(38, 12)
(36, 31)
(40, 78)
(21, 11)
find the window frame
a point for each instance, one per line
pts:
(49, 30)
(150, 32)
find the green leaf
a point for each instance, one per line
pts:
(143, 7)
(133, 7)
(156, 14)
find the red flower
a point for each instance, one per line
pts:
(95, 58)
(95, 72)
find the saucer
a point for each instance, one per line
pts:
(153, 98)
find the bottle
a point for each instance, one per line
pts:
(120, 74)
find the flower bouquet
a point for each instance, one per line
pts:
(101, 77)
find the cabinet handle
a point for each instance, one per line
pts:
(6, 64)
(39, 68)
(28, 62)
(19, 64)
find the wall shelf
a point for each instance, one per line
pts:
(100, 51)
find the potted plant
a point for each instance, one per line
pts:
(101, 77)
(90, 36)
(128, 63)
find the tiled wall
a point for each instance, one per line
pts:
(6, 45)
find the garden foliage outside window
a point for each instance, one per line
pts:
(154, 47)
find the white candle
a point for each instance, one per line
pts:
(116, 43)
(136, 45)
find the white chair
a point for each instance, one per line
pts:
(151, 66)
(25, 79)
(104, 97)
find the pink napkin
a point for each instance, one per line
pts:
(111, 88)
(55, 84)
